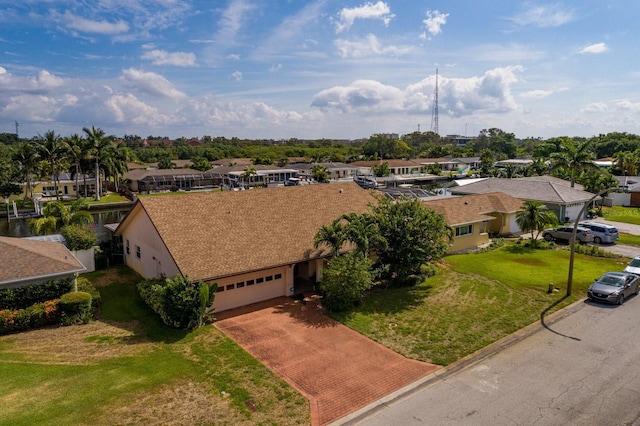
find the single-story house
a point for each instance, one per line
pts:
(29, 262)
(557, 194)
(335, 170)
(256, 244)
(153, 180)
(474, 217)
(265, 175)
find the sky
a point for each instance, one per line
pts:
(271, 69)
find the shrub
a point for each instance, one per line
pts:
(345, 281)
(594, 251)
(75, 307)
(38, 315)
(22, 297)
(180, 302)
(80, 237)
(96, 300)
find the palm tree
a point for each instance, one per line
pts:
(534, 216)
(249, 173)
(331, 235)
(56, 215)
(573, 158)
(166, 163)
(27, 156)
(53, 149)
(362, 231)
(99, 146)
(117, 164)
(627, 162)
(320, 173)
(76, 152)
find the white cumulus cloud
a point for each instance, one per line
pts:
(434, 21)
(78, 23)
(366, 47)
(150, 83)
(594, 48)
(347, 16)
(178, 59)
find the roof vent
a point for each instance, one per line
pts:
(341, 190)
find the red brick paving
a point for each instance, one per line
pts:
(336, 368)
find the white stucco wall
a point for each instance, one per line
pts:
(87, 258)
(154, 257)
(572, 211)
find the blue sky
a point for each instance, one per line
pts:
(318, 69)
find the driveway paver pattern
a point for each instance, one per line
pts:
(337, 369)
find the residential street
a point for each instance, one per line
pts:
(583, 370)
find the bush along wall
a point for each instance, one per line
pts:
(75, 308)
(37, 315)
(23, 297)
(180, 302)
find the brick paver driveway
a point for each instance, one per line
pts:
(336, 368)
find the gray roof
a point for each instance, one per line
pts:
(546, 189)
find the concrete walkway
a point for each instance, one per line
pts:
(336, 368)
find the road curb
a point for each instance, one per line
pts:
(458, 366)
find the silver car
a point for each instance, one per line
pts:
(602, 233)
(613, 287)
(633, 267)
(564, 233)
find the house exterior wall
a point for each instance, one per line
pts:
(505, 223)
(244, 289)
(477, 237)
(154, 259)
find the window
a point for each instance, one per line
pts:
(220, 288)
(230, 286)
(128, 251)
(240, 284)
(269, 278)
(277, 276)
(259, 280)
(464, 230)
(250, 282)
(138, 253)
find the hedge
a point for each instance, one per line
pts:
(23, 297)
(75, 307)
(34, 316)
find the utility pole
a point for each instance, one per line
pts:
(17, 125)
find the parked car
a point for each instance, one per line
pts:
(602, 233)
(613, 287)
(633, 267)
(564, 233)
(366, 182)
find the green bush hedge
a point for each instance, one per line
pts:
(75, 307)
(23, 297)
(34, 316)
(96, 300)
(180, 302)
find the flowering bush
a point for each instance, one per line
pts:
(37, 315)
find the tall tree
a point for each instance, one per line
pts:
(331, 235)
(573, 158)
(99, 148)
(27, 156)
(56, 215)
(534, 216)
(53, 150)
(76, 153)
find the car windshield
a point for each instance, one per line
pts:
(611, 280)
(635, 263)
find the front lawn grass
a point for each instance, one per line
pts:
(622, 214)
(628, 239)
(472, 301)
(128, 368)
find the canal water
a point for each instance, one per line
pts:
(20, 227)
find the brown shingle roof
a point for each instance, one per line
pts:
(23, 259)
(211, 235)
(473, 208)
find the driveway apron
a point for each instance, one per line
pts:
(337, 369)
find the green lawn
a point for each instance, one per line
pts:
(622, 214)
(128, 368)
(629, 239)
(473, 300)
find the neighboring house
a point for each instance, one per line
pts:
(630, 195)
(335, 170)
(515, 162)
(66, 186)
(266, 175)
(474, 217)
(256, 244)
(403, 172)
(154, 180)
(29, 262)
(556, 194)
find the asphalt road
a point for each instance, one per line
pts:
(582, 370)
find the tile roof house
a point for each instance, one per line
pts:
(474, 217)
(556, 194)
(256, 244)
(28, 262)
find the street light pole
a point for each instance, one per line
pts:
(573, 237)
(6, 201)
